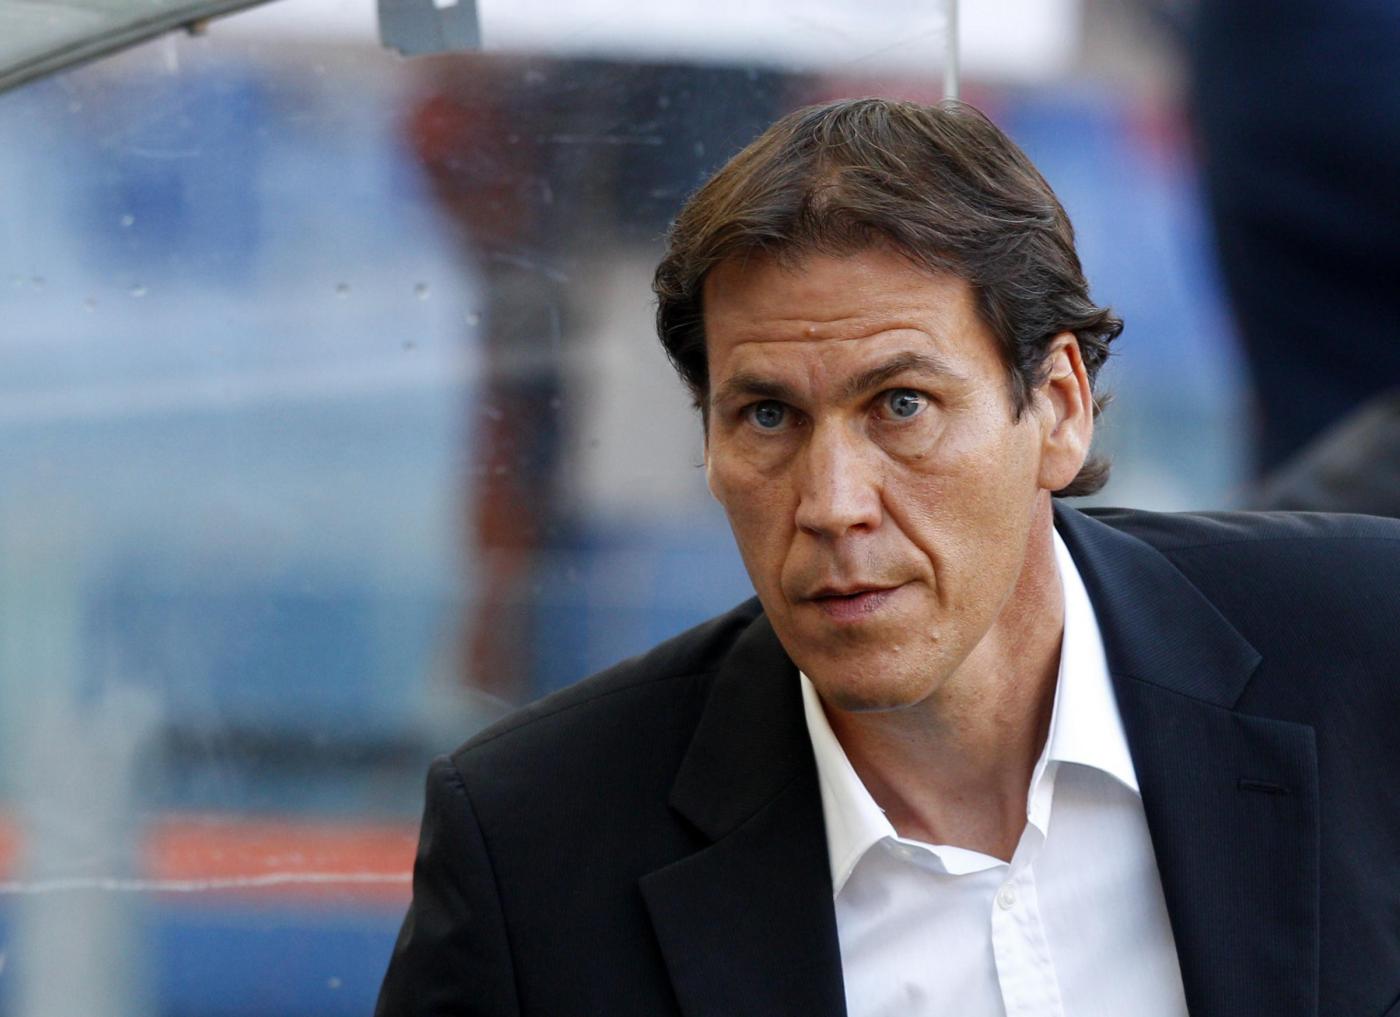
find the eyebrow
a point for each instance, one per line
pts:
(753, 386)
(900, 363)
(746, 385)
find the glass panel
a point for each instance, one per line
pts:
(334, 425)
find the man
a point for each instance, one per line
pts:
(970, 752)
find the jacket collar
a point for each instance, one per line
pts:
(746, 924)
(1156, 626)
(751, 741)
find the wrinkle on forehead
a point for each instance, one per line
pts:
(837, 329)
(872, 290)
(818, 360)
(744, 314)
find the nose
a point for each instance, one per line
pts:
(839, 483)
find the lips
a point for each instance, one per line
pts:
(851, 602)
(851, 590)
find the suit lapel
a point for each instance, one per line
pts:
(1230, 799)
(747, 924)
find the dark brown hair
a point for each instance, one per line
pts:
(939, 184)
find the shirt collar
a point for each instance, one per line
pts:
(1085, 729)
(854, 823)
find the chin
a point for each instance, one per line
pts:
(860, 670)
(845, 688)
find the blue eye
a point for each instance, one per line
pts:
(904, 403)
(768, 415)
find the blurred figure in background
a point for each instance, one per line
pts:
(1297, 104)
(481, 144)
(1354, 466)
(555, 174)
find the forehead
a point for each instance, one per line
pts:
(831, 309)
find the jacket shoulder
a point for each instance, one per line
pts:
(1314, 593)
(1324, 570)
(1266, 534)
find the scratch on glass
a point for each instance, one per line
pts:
(11, 888)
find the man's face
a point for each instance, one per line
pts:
(862, 440)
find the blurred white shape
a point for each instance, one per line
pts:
(1003, 40)
(833, 34)
(951, 52)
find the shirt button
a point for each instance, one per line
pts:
(1006, 897)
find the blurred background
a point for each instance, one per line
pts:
(333, 423)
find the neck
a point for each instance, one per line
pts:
(956, 768)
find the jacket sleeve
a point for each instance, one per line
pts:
(452, 958)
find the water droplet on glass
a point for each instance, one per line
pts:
(421, 291)
(342, 289)
(332, 983)
(128, 220)
(137, 290)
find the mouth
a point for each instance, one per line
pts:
(851, 603)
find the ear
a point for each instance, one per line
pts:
(1066, 406)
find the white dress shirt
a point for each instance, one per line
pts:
(1073, 926)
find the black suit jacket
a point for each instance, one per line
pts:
(650, 841)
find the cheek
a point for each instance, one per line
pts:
(748, 476)
(963, 503)
(731, 482)
(758, 511)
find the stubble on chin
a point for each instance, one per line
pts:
(871, 676)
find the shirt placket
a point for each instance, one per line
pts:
(1025, 969)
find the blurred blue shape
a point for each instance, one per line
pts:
(259, 962)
